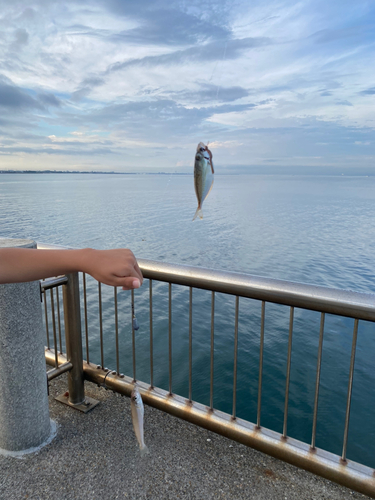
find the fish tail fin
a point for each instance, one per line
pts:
(198, 213)
(144, 450)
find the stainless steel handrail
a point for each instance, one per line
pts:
(317, 298)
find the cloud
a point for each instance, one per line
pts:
(49, 100)
(21, 37)
(168, 22)
(170, 27)
(80, 94)
(13, 97)
(208, 92)
(212, 51)
(162, 116)
(343, 103)
(92, 81)
(370, 91)
(87, 85)
(19, 99)
(225, 144)
(333, 35)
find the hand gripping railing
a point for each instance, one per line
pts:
(344, 303)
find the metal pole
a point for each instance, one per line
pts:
(261, 349)
(235, 359)
(318, 369)
(291, 316)
(72, 315)
(212, 351)
(151, 341)
(350, 387)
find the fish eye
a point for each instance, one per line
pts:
(202, 149)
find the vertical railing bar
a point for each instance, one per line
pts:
(151, 339)
(235, 358)
(59, 317)
(54, 329)
(86, 323)
(73, 336)
(317, 383)
(261, 349)
(288, 371)
(133, 334)
(46, 317)
(170, 338)
(116, 331)
(101, 325)
(190, 343)
(212, 352)
(350, 387)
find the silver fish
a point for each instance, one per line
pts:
(137, 418)
(203, 176)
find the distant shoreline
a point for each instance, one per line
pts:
(87, 172)
(350, 172)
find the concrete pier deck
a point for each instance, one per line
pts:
(96, 456)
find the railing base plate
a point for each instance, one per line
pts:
(84, 407)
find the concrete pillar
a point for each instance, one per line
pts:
(24, 413)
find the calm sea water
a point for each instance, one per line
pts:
(318, 230)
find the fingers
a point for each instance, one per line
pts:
(129, 283)
(138, 271)
(134, 279)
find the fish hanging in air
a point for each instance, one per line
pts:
(203, 176)
(137, 410)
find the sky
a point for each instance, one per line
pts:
(133, 86)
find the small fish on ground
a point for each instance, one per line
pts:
(203, 176)
(137, 410)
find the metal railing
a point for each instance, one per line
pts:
(354, 305)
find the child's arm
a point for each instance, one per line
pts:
(113, 267)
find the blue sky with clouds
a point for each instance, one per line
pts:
(134, 86)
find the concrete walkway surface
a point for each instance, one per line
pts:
(96, 456)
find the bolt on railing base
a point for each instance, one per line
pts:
(87, 405)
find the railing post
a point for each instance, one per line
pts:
(73, 338)
(24, 414)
